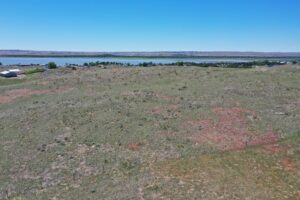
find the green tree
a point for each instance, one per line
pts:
(52, 65)
(86, 64)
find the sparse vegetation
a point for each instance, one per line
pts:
(220, 65)
(34, 71)
(95, 64)
(151, 133)
(249, 64)
(231, 65)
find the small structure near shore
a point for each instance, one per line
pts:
(12, 73)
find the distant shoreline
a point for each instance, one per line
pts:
(148, 57)
(151, 55)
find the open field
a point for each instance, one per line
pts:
(151, 133)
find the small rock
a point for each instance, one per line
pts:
(279, 113)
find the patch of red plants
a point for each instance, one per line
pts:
(288, 164)
(274, 148)
(133, 147)
(230, 131)
(11, 95)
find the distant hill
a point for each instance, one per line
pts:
(162, 54)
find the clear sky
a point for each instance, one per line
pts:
(150, 25)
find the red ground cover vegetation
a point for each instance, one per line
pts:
(289, 165)
(230, 131)
(12, 95)
(133, 147)
(274, 148)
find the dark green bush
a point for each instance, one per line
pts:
(52, 65)
(147, 64)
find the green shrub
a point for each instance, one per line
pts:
(33, 71)
(147, 64)
(52, 65)
(229, 65)
(179, 63)
(94, 64)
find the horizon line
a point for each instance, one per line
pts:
(153, 51)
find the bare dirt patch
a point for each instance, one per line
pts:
(230, 131)
(11, 95)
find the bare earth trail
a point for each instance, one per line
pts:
(151, 133)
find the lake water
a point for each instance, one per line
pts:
(134, 61)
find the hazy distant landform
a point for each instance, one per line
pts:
(158, 54)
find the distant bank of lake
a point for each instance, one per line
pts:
(134, 61)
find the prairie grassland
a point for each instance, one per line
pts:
(151, 133)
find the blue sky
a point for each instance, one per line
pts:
(150, 25)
